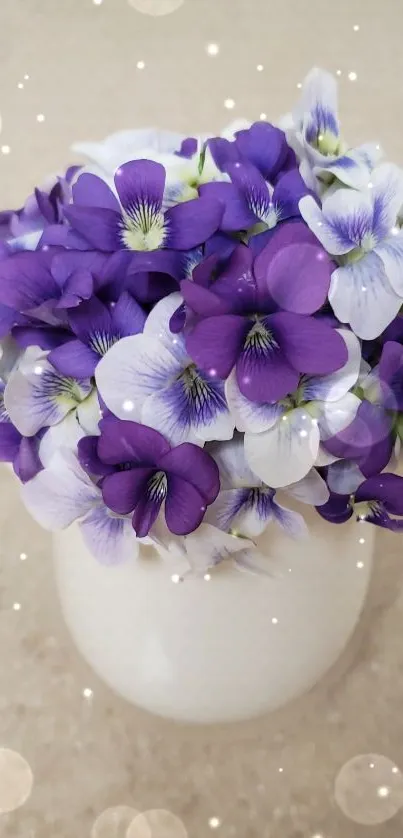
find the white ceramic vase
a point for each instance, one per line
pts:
(225, 649)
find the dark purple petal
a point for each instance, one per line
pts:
(87, 449)
(203, 301)
(145, 514)
(337, 510)
(8, 319)
(91, 321)
(100, 227)
(140, 183)
(178, 320)
(27, 463)
(26, 280)
(66, 264)
(289, 233)
(395, 330)
(10, 440)
(150, 288)
(194, 465)
(90, 191)
(123, 490)
(265, 376)
(236, 213)
(60, 235)
(236, 284)
(188, 147)
(387, 488)
(128, 317)
(298, 278)
(265, 146)
(310, 345)
(78, 287)
(45, 206)
(192, 222)
(122, 442)
(158, 261)
(46, 337)
(391, 375)
(185, 507)
(223, 152)
(216, 343)
(74, 359)
(254, 189)
(289, 190)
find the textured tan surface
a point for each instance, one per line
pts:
(88, 755)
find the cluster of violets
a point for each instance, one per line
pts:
(197, 334)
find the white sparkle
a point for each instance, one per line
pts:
(97, 2)
(5, 149)
(26, 77)
(40, 117)
(303, 433)
(260, 68)
(229, 104)
(356, 27)
(263, 116)
(395, 231)
(361, 540)
(212, 49)
(338, 72)
(360, 565)
(383, 791)
(17, 606)
(140, 65)
(38, 370)
(274, 621)
(87, 692)
(352, 76)
(372, 765)
(175, 578)
(214, 823)
(299, 85)
(395, 769)
(280, 770)
(20, 85)
(128, 405)
(207, 577)
(23, 556)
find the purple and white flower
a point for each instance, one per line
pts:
(246, 505)
(378, 500)
(359, 228)
(283, 440)
(151, 378)
(313, 131)
(63, 493)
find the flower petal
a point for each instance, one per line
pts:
(335, 385)
(311, 489)
(264, 374)
(139, 183)
(361, 295)
(285, 453)
(134, 368)
(74, 359)
(244, 511)
(184, 506)
(344, 477)
(215, 343)
(110, 539)
(192, 222)
(91, 191)
(99, 227)
(293, 523)
(232, 464)
(123, 490)
(61, 493)
(337, 510)
(333, 417)
(194, 465)
(122, 442)
(237, 215)
(37, 396)
(250, 416)
(387, 488)
(391, 253)
(298, 278)
(310, 345)
(345, 218)
(387, 197)
(157, 325)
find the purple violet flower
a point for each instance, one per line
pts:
(147, 472)
(137, 221)
(240, 327)
(376, 501)
(266, 147)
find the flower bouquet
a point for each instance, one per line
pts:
(198, 332)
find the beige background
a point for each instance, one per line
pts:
(87, 755)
